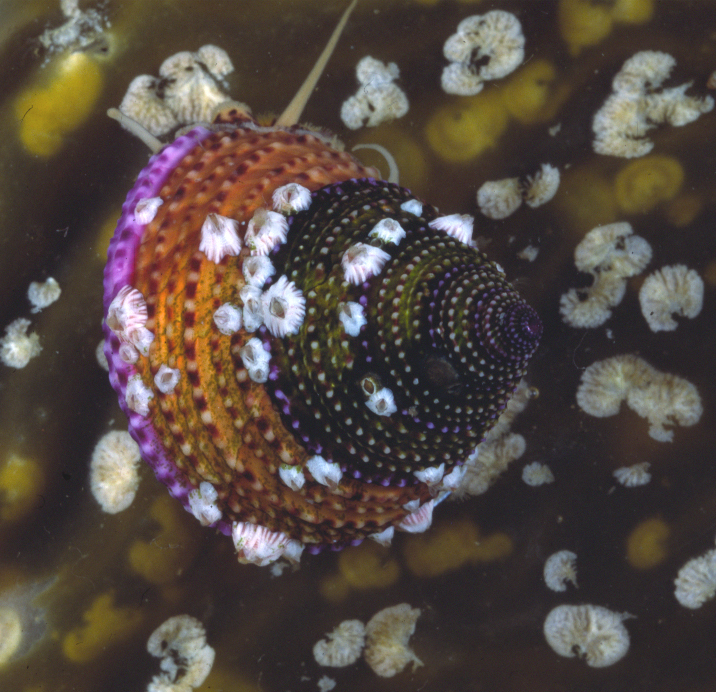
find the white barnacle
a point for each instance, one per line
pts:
(253, 313)
(633, 476)
(256, 359)
(202, 503)
(352, 317)
(671, 290)
(537, 473)
(227, 319)
(166, 379)
(146, 209)
(186, 658)
(126, 312)
(361, 261)
(431, 475)
(18, 347)
(696, 581)
(459, 226)
(138, 395)
(388, 231)
(485, 47)
(384, 537)
(324, 472)
(593, 633)
(141, 338)
(419, 520)
(257, 270)
(219, 237)
(560, 568)
(452, 481)
(291, 198)
(43, 294)
(498, 199)
(542, 186)
(265, 231)
(128, 354)
(382, 402)
(284, 307)
(387, 635)
(292, 476)
(342, 647)
(257, 545)
(114, 477)
(412, 206)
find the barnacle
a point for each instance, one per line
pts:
(387, 635)
(560, 568)
(671, 290)
(114, 476)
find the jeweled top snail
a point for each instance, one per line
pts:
(306, 354)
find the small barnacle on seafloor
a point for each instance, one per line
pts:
(642, 184)
(528, 253)
(536, 474)
(186, 658)
(114, 475)
(138, 395)
(593, 633)
(167, 379)
(498, 199)
(361, 261)
(696, 581)
(378, 99)
(43, 294)
(671, 290)
(284, 308)
(560, 568)
(661, 398)
(265, 231)
(638, 104)
(80, 31)
(186, 91)
(18, 347)
(202, 503)
(387, 636)
(342, 647)
(146, 209)
(634, 475)
(611, 254)
(256, 545)
(291, 198)
(227, 319)
(485, 47)
(541, 187)
(219, 237)
(326, 684)
(352, 317)
(257, 270)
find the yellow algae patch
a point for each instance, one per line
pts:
(47, 112)
(449, 546)
(167, 555)
(645, 182)
(10, 633)
(587, 199)
(465, 128)
(646, 544)
(21, 482)
(334, 588)
(105, 625)
(632, 11)
(368, 566)
(682, 210)
(224, 679)
(529, 94)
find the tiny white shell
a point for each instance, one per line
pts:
(352, 316)
(431, 475)
(458, 226)
(420, 520)
(265, 231)
(292, 476)
(202, 503)
(256, 359)
(258, 545)
(219, 237)
(227, 319)
(138, 395)
(166, 379)
(385, 537)
(361, 261)
(284, 308)
(382, 402)
(324, 472)
(388, 230)
(291, 198)
(257, 269)
(146, 209)
(253, 313)
(412, 206)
